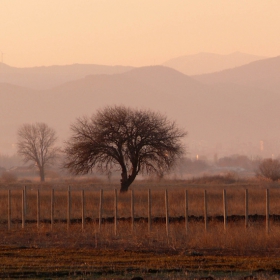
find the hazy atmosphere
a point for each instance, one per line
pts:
(140, 139)
(135, 33)
(213, 67)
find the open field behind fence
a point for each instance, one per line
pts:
(151, 232)
(27, 208)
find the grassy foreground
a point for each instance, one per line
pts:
(50, 253)
(77, 254)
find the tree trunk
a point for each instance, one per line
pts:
(126, 182)
(124, 186)
(126, 179)
(42, 174)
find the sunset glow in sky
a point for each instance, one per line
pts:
(133, 32)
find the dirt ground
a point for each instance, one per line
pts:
(52, 255)
(20, 262)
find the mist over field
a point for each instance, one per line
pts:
(213, 68)
(232, 111)
(177, 173)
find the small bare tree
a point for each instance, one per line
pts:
(270, 169)
(36, 144)
(132, 140)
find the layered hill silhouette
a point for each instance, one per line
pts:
(220, 117)
(51, 76)
(202, 63)
(264, 74)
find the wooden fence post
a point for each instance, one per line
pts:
(38, 208)
(25, 201)
(149, 211)
(68, 208)
(186, 210)
(132, 211)
(205, 210)
(9, 209)
(166, 213)
(246, 208)
(225, 208)
(83, 208)
(52, 208)
(116, 210)
(100, 209)
(267, 211)
(23, 210)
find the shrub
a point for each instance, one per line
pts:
(9, 177)
(228, 178)
(269, 169)
(2, 169)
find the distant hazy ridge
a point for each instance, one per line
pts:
(202, 63)
(224, 113)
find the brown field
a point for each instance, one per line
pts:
(183, 254)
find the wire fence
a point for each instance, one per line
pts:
(28, 208)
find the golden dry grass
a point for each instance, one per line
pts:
(235, 239)
(236, 249)
(176, 189)
(85, 254)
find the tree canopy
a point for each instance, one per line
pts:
(131, 140)
(36, 144)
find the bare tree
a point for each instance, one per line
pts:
(132, 141)
(270, 169)
(36, 144)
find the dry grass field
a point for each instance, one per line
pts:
(72, 252)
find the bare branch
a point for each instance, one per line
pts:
(36, 143)
(270, 169)
(135, 140)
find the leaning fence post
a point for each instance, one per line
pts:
(100, 209)
(166, 213)
(186, 210)
(132, 210)
(83, 208)
(246, 208)
(23, 210)
(52, 208)
(267, 211)
(116, 210)
(149, 210)
(9, 209)
(225, 208)
(68, 208)
(205, 210)
(38, 208)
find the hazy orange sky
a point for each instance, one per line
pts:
(134, 32)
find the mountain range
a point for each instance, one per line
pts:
(223, 112)
(203, 63)
(263, 74)
(51, 76)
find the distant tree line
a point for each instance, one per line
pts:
(238, 162)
